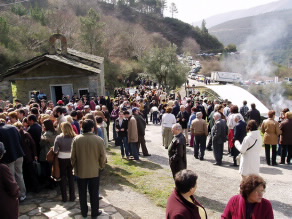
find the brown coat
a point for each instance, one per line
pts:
(199, 127)
(271, 130)
(286, 136)
(132, 130)
(88, 155)
(9, 192)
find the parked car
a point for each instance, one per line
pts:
(193, 76)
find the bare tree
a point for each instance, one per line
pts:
(173, 9)
(190, 46)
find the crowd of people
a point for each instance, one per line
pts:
(73, 128)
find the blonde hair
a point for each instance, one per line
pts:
(288, 115)
(69, 119)
(67, 129)
(44, 117)
(18, 125)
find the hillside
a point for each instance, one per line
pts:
(276, 26)
(119, 32)
(271, 7)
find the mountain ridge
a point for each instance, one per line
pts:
(262, 9)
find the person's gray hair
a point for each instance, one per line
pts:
(97, 107)
(199, 115)
(182, 106)
(237, 116)
(216, 107)
(216, 101)
(217, 115)
(177, 126)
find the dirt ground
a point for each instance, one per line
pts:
(216, 184)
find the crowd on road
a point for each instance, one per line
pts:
(44, 144)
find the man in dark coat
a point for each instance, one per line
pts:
(286, 138)
(13, 157)
(141, 126)
(35, 130)
(253, 114)
(182, 118)
(175, 108)
(219, 133)
(239, 134)
(177, 150)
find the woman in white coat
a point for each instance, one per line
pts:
(250, 150)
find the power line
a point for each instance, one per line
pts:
(3, 5)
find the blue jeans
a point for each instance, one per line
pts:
(155, 118)
(135, 150)
(125, 149)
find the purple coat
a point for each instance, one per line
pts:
(9, 191)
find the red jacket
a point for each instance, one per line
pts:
(236, 209)
(179, 208)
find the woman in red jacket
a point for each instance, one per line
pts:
(250, 204)
(182, 203)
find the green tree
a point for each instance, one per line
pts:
(204, 28)
(162, 63)
(173, 9)
(91, 31)
(4, 30)
(231, 48)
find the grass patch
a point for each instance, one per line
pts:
(143, 176)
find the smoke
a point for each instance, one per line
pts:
(278, 101)
(258, 46)
(255, 59)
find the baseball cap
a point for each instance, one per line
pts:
(135, 109)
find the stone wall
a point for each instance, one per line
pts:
(78, 79)
(5, 90)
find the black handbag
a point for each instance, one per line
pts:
(37, 168)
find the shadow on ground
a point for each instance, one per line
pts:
(271, 171)
(159, 159)
(128, 214)
(284, 208)
(211, 204)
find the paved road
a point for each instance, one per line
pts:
(217, 184)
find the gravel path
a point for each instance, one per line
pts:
(216, 185)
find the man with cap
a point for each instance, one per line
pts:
(9, 191)
(141, 126)
(86, 109)
(60, 103)
(69, 108)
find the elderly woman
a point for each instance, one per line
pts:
(286, 138)
(250, 202)
(182, 203)
(9, 191)
(231, 123)
(250, 150)
(168, 120)
(271, 130)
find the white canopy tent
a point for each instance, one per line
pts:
(237, 95)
